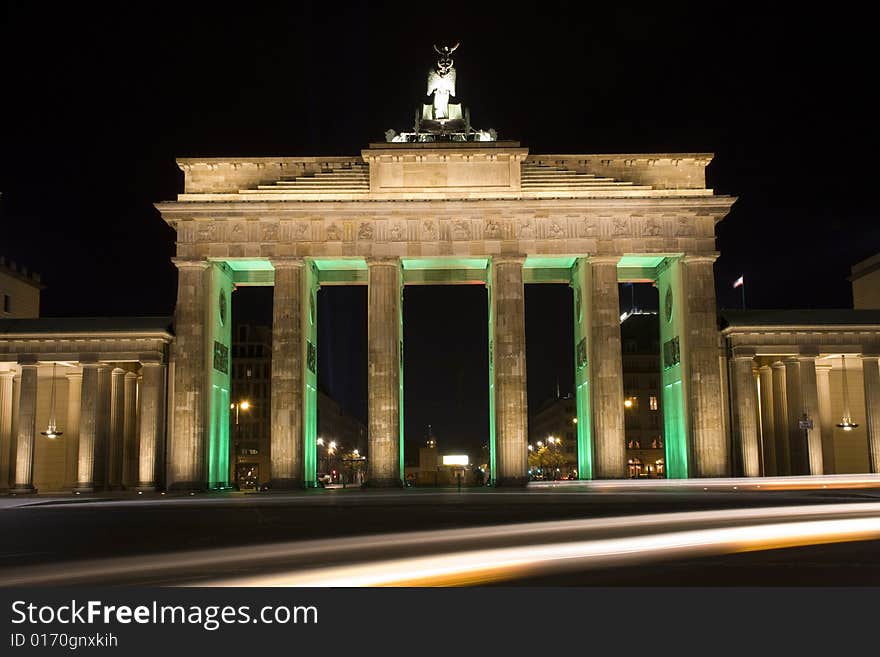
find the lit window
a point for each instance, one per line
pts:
(653, 403)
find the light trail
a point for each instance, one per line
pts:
(483, 566)
(475, 554)
(796, 482)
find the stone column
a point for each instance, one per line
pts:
(102, 429)
(88, 428)
(823, 383)
(509, 346)
(287, 374)
(5, 429)
(27, 426)
(780, 419)
(745, 414)
(810, 400)
(871, 375)
(186, 460)
(606, 370)
(796, 441)
(700, 359)
(768, 426)
(152, 403)
(71, 429)
(129, 432)
(383, 346)
(117, 428)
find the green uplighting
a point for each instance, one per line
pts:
(646, 261)
(493, 472)
(445, 263)
(335, 264)
(549, 262)
(249, 265)
(675, 431)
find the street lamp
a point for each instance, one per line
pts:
(243, 405)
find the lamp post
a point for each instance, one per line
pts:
(242, 405)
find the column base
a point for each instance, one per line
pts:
(510, 482)
(22, 490)
(84, 488)
(286, 484)
(383, 483)
(146, 487)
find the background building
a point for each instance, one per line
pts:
(19, 291)
(250, 437)
(643, 418)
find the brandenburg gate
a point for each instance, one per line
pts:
(444, 203)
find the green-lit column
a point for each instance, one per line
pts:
(199, 447)
(492, 447)
(310, 376)
(288, 373)
(218, 320)
(581, 284)
(401, 455)
(606, 370)
(674, 402)
(509, 354)
(383, 345)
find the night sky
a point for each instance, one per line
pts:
(97, 101)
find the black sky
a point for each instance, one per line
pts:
(98, 100)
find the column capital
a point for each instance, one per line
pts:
(28, 361)
(823, 368)
(508, 258)
(604, 259)
(743, 353)
(74, 375)
(7, 374)
(694, 258)
(190, 263)
(131, 376)
(388, 261)
(778, 365)
(870, 356)
(292, 262)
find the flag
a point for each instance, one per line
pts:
(739, 281)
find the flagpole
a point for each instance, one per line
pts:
(743, 286)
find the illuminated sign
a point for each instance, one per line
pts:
(455, 459)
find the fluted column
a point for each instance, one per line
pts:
(186, 460)
(606, 370)
(102, 429)
(152, 403)
(129, 432)
(287, 374)
(797, 448)
(71, 429)
(383, 346)
(5, 429)
(509, 347)
(871, 375)
(117, 428)
(702, 350)
(768, 424)
(745, 415)
(780, 419)
(88, 428)
(810, 400)
(826, 422)
(27, 426)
